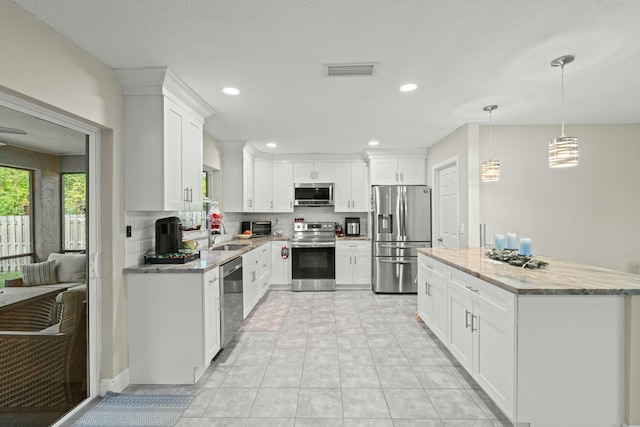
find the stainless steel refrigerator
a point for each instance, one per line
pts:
(401, 223)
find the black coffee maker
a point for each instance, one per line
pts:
(168, 235)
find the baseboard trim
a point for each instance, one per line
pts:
(115, 384)
(279, 287)
(342, 287)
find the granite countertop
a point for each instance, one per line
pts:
(208, 259)
(353, 238)
(558, 278)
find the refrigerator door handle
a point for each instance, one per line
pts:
(403, 246)
(403, 212)
(386, 261)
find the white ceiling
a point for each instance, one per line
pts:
(42, 136)
(463, 54)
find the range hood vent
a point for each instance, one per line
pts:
(343, 70)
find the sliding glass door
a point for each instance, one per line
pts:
(48, 310)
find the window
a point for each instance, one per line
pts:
(207, 185)
(74, 207)
(16, 231)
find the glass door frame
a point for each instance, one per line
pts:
(93, 238)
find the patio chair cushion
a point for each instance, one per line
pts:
(41, 273)
(71, 307)
(70, 268)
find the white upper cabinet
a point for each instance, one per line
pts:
(232, 164)
(248, 189)
(398, 171)
(351, 189)
(263, 190)
(312, 172)
(282, 187)
(251, 183)
(163, 141)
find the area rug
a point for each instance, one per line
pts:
(117, 409)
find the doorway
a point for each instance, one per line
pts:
(446, 204)
(61, 155)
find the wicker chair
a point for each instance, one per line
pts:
(34, 316)
(46, 369)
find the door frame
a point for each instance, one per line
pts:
(435, 169)
(93, 238)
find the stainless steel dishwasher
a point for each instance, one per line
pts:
(232, 314)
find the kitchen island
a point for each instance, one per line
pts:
(548, 346)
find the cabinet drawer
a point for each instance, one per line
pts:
(211, 278)
(500, 302)
(433, 269)
(353, 245)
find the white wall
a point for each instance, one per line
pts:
(463, 144)
(587, 214)
(53, 72)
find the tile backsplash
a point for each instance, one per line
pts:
(142, 224)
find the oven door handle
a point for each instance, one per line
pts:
(313, 244)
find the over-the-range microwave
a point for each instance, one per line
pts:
(313, 194)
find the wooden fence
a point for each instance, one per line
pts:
(15, 238)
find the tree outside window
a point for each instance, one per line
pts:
(16, 240)
(74, 198)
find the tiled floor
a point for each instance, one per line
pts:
(346, 358)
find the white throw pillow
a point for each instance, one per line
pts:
(41, 273)
(70, 268)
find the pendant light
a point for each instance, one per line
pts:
(491, 167)
(563, 151)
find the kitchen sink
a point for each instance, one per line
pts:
(229, 247)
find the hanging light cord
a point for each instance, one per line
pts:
(490, 136)
(562, 135)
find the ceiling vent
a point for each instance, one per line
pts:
(344, 70)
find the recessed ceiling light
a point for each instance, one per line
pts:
(373, 143)
(272, 144)
(408, 87)
(231, 91)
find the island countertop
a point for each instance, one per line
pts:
(558, 278)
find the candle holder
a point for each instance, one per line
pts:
(514, 258)
(525, 247)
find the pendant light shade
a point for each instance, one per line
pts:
(491, 170)
(563, 151)
(491, 167)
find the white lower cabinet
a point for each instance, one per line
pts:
(280, 267)
(476, 321)
(432, 296)
(353, 262)
(212, 313)
(256, 276)
(482, 335)
(174, 326)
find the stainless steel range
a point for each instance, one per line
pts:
(313, 252)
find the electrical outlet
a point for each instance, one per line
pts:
(462, 228)
(128, 231)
